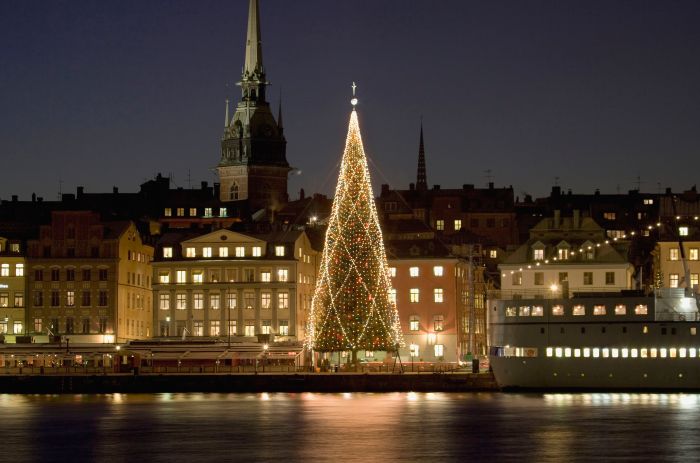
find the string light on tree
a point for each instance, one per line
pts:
(351, 309)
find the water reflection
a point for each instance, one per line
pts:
(351, 427)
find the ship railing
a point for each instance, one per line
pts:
(547, 293)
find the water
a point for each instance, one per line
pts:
(350, 427)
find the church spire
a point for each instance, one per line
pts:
(253, 46)
(279, 115)
(421, 180)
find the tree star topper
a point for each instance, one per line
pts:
(354, 98)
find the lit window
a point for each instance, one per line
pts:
(682, 352)
(549, 351)
(693, 254)
(579, 310)
(557, 310)
(182, 276)
(214, 328)
(392, 272)
(190, 252)
(438, 295)
(283, 329)
(663, 352)
(648, 201)
(596, 352)
(231, 300)
(643, 352)
(640, 309)
(193, 212)
(223, 212)
(206, 252)
(537, 311)
(598, 310)
(18, 328)
(5, 300)
(567, 352)
(282, 300)
(265, 299)
(279, 251)
(609, 215)
(438, 270)
(282, 274)
(438, 322)
(164, 301)
(392, 295)
(413, 350)
(673, 254)
(414, 295)
(19, 270)
(439, 224)
(586, 352)
(168, 212)
(524, 311)
(197, 277)
(5, 270)
(223, 251)
(511, 311)
(198, 299)
(653, 352)
(538, 254)
(563, 253)
(249, 328)
(266, 326)
(694, 280)
(615, 352)
(413, 271)
(692, 352)
(207, 212)
(693, 331)
(164, 278)
(265, 276)
(558, 352)
(683, 231)
(257, 251)
(634, 353)
(517, 278)
(605, 352)
(70, 298)
(620, 309)
(673, 280)
(180, 211)
(458, 224)
(493, 254)
(198, 328)
(181, 301)
(167, 253)
(439, 350)
(414, 323)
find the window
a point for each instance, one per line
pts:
(19, 299)
(266, 327)
(250, 327)
(563, 253)
(511, 311)
(37, 325)
(181, 301)
(579, 310)
(249, 300)
(233, 192)
(539, 278)
(493, 253)
(55, 274)
(640, 309)
(414, 295)
(206, 252)
(693, 254)
(648, 201)
(414, 323)
(609, 215)
(620, 309)
(609, 278)
(38, 275)
(438, 322)
(392, 295)
(167, 252)
(538, 254)
(180, 211)
(598, 310)
(193, 212)
(181, 276)
(214, 301)
(413, 350)
(70, 274)
(38, 299)
(248, 274)
(439, 224)
(164, 301)
(168, 212)
(283, 328)
(673, 280)
(392, 272)
(282, 274)
(55, 300)
(198, 300)
(694, 280)
(279, 251)
(265, 276)
(102, 274)
(257, 251)
(102, 299)
(223, 212)
(587, 278)
(517, 278)
(282, 300)
(70, 298)
(164, 278)
(413, 271)
(85, 299)
(232, 300)
(458, 224)
(438, 270)
(265, 300)
(439, 350)
(197, 277)
(198, 328)
(673, 254)
(208, 212)
(85, 326)
(438, 295)
(190, 252)
(4, 300)
(19, 270)
(232, 327)
(524, 311)
(223, 251)
(683, 231)
(18, 328)
(214, 328)
(537, 311)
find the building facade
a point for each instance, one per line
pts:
(12, 289)
(89, 280)
(226, 284)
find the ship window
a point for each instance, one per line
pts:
(633, 353)
(625, 352)
(586, 352)
(643, 352)
(682, 352)
(537, 311)
(567, 352)
(693, 331)
(583, 330)
(524, 311)
(692, 352)
(624, 329)
(549, 352)
(598, 310)
(663, 352)
(510, 312)
(640, 309)
(579, 310)
(558, 352)
(663, 330)
(542, 330)
(645, 329)
(596, 352)
(620, 309)
(557, 310)
(602, 329)
(606, 352)
(615, 352)
(652, 352)
(577, 352)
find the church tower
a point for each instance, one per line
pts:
(253, 164)
(421, 177)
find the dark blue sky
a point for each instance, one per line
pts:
(105, 93)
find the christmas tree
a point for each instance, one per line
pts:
(351, 308)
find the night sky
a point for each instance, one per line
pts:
(596, 93)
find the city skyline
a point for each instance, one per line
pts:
(592, 94)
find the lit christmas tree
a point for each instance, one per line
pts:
(351, 308)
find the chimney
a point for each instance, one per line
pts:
(15, 198)
(33, 197)
(557, 218)
(556, 190)
(411, 186)
(115, 190)
(490, 185)
(436, 187)
(204, 185)
(577, 219)
(302, 194)
(81, 190)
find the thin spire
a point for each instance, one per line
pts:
(422, 179)
(226, 116)
(253, 47)
(279, 113)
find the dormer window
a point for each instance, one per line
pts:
(167, 253)
(190, 252)
(279, 251)
(538, 254)
(563, 253)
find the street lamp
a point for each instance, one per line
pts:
(167, 319)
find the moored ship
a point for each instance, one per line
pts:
(626, 340)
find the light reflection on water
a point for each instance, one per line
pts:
(351, 427)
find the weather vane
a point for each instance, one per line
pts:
(354, 98)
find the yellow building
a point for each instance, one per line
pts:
(12, 297)
(88, 280)
(669, 271)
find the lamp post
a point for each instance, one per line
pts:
(167, 320)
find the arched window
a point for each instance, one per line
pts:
(234, 192)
